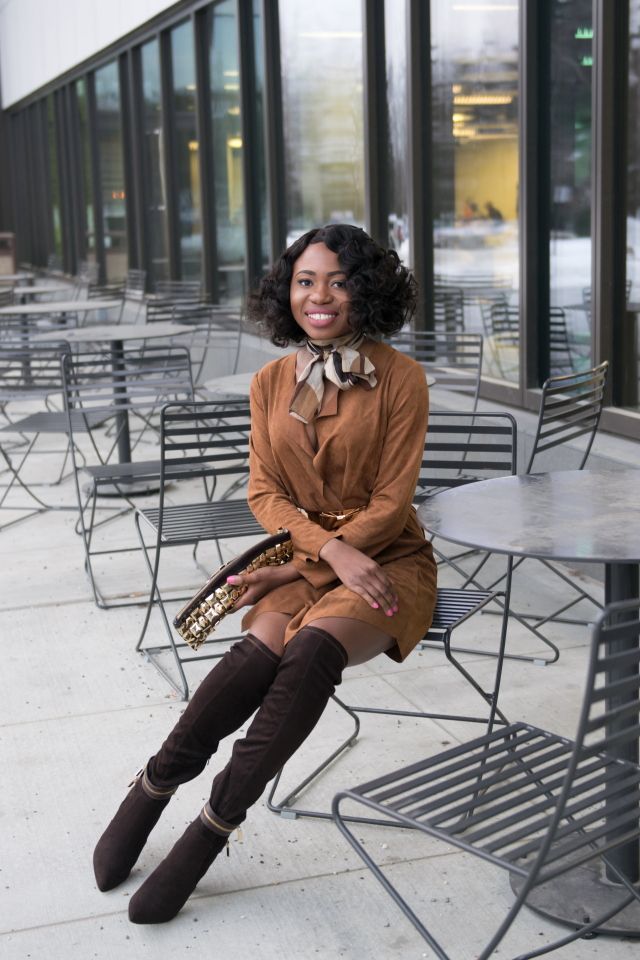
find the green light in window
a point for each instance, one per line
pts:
(584, 33)
(586, 61)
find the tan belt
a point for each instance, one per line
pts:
(331, 519)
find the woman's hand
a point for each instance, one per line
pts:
(262, 581)
(361, 574)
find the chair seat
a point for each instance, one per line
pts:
(54, 421)
(192, 522)
(495, 794)
(454, 606)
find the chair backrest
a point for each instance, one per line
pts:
(159, 310)
(179, 289)
(6, 297)
(560, 353)
(206, 439)
(134, 285)
(454, 359)
(104, 291)
(30, 370)
(570, 407)
(448, 309)
(597, 781)
(462, 448)
(474, 286)
(138, 381)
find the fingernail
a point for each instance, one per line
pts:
(390, 613)
(375, 605)
(233, 579)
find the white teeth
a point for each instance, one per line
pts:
(321, 316)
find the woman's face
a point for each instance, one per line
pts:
(319, 298)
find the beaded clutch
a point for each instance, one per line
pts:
(200, 616)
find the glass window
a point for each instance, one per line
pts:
(226, 128)
(112, 190)
(570, 241)
(260, 169)
(54, 179)
(633, 188)
(475, 180)
(154, 185)
(186, 152)
(87, 177)
(321, 51)
(395, 28)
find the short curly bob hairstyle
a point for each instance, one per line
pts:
(382, 292)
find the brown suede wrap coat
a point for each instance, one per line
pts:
(367, 453)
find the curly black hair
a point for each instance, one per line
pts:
(382, 291)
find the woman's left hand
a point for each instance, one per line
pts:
(261, 582)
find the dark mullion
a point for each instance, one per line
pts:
(65, 179)
(7, 168)
(76, 177)
(94, 149)
(169, 158)
(137, 192)
(44, 153)
(535, 191)
(127, 163)
(612, 336)
(420, 172)
(376, 123)
(202, 32)
(274, 130)
(250, 134)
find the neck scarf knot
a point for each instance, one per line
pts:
(338, 361)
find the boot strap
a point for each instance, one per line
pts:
(215, 823)
(153, 792)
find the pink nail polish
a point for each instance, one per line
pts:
(375, 605)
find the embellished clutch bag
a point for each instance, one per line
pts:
(200, 616)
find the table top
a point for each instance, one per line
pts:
(16, 277)
(45, 289)
(116, 332)
(58, 306)
(576, 515)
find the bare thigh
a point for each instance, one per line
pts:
(269, 628)
(361, 641)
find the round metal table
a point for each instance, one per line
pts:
(574, 515)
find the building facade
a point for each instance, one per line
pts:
(493, 144)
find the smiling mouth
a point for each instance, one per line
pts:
(322, 316)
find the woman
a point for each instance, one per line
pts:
(337, 434)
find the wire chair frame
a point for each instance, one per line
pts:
(101, 388)
(528, 800)
(209, 441)
(454, 359)
(488, 444)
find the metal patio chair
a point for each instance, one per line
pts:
(208, 442)
(486, 446)
(179, 289)
(134, 287)
(454, 359)
(108, 389)
(528, 800)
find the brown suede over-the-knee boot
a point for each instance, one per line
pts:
(309, 672)
(225, 699)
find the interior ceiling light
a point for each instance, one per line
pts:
(486, 7)
(234, 142)
(483, 100)
(230, 73)
(231, 86)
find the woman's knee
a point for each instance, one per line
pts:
(270, 629)
(360, 640)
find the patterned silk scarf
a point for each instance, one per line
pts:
(336, 360)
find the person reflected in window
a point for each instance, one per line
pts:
(493, 213)
(337, 438)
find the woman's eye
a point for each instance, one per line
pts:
(339, 283)
(304, 282)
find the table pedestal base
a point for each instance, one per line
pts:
(581, 894)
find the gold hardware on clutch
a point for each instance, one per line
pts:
(221, 601)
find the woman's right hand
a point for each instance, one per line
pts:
(361, 574)
(262, 581)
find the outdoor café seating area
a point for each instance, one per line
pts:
(108, 524)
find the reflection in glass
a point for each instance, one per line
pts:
(633, 182)
(321, 51)
(186, 153)
(570, 242)
(54, 179)
(475, 185)
(112, 190)
(226, 130)
(154, 185)
(87, 178)
(395, 36)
